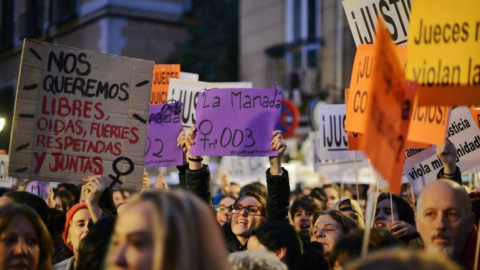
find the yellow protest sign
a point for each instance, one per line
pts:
(161, 78)
(388, 113)
(444, 51)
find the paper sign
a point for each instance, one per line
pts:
(187, 93)
(5, 181)
(333, 142)
(422, 168)
(362, 18)
(443, 51)
(188, 76)
(164, 126)
(388, 113)
(80, 113)
(236, 122)
(161, 77)
(241, 169)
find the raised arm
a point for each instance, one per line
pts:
(448, 155)
(278, 185)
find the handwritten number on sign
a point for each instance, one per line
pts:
(159, 153)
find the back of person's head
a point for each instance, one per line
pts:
(181, 228)
(307, 203)
(256, 187)
(277, 235)
(94, 247)
(404, 209)
(73, 189)
(33, 201)
(318, 194)
(395, 259)
(349, 247)
(10, 211)
(255, 260)
(312, 257)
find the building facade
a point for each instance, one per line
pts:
(147, 29)
(300, 44)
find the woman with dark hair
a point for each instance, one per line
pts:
(399, 220)
(349, 247)
(26, 243)
(281, 239)
(63, 200)
(94, 247)
(328, 228)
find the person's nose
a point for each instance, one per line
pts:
(320, 233)
(20, 247)
(119, 256)
(244, 212)
(440, 222)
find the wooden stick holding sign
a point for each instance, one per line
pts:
(79, 113)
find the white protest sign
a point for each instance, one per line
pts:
(362, 19)
(5, 181)
(80, 113)
(188, 76)
(241, 169)
(333, 139)
(187, 93)
(423, 167)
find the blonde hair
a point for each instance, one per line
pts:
(185, 232)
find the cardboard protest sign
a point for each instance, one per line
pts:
(443, 51)
(325, 164)
(333, 137)
(161, 77)
(241, 169)
(187, 92)
(389, 112)
(422, 168)
(362, 19)
(79, 113)
(5, 180)
(236, 122)
(164, 126)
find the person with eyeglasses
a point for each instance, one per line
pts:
(250, 209)
(223, 210)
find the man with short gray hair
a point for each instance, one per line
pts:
(444, 220)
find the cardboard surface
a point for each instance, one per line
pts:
(79, 113)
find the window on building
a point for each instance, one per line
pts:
(6, 24)
(303, 38)
(30, 19)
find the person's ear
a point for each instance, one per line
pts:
(281, 254)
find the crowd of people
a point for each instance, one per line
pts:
(252, 227)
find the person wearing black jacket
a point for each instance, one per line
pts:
(250, 210)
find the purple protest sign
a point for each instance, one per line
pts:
(236, 122)
(164, 126)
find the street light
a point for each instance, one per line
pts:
(2, 123)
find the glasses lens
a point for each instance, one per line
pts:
(252, 210)
(237, 208)
(220, 208)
